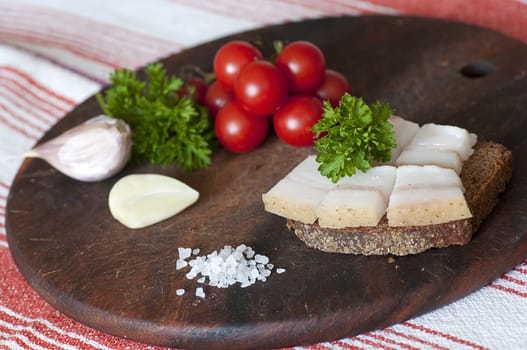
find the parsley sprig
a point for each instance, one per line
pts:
(167, 129)
(355, 135)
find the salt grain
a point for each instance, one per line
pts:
(180, 292)
(184, 253)
(280, 270)
(200, 293)
(249, 252)
(180, 264)
(261, 259)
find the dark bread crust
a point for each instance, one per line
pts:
(484, 175)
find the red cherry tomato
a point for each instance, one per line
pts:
(293, 122)
(230, 59)
(216, 97)
(261, 88)
(237, 130)
(333, 87)
(303, 64)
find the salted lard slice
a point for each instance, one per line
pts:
(298, 195)
(358, 200)
(426, 195)
(431, 156)
(442, 145)
(306, 172)
(381, 178)
(294, 200)
(404, 131)
(445, 137)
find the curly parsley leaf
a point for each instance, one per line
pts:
(353, 135)
(166, 128)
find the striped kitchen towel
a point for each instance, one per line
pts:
(56, 53)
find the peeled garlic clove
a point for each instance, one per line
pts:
(141, 200)
(92, 151)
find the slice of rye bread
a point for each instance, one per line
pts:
(484, 175)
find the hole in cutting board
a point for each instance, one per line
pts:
(477, 69)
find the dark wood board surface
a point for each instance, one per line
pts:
(123, 282)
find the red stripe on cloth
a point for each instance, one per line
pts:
(450, 337)
(40, 331)
(93, 40)
(115, 57)
(372, 343)
(4, 185)
(35, 332)
(29, 336)
(324, 7)
(339, 8)
(26, 107)
(220, 8)
(271, 11)
(317, 347)
(14, 113)
(84, 27)
(18, 129)
(508, 17)
(414, 339)
(38, 38)
(17, 343)
(28, 309)
(36, 99)
(344, 345)
(365, 7)
(514, 280)
(41, 87)
(282, 11)
(381, 338)
(508, 290)
(23, 103)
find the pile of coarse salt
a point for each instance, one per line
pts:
(225, 268)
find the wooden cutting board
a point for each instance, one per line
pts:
(123, 282)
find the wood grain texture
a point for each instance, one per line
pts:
(72, 252)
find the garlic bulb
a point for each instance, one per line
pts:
(91, 151)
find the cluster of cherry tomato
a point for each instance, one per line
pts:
(250, 90)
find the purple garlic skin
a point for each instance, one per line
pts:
(92, 151)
